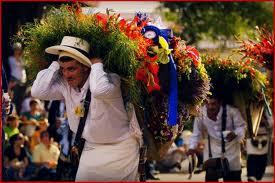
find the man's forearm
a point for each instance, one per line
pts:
(45, 86)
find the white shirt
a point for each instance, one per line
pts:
(204, 126)
(25, 107)
(107, 120)
(17, 69)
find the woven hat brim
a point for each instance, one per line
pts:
(56, 49)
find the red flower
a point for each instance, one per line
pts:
(122, 24)
(102, 18)
(74, 8)
(153, 88)
(141, 75)
(194, 54)
(154, 85)
(153, 68)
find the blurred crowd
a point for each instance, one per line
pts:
(35, 132)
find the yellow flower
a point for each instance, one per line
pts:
(164, 45)
(79, 111)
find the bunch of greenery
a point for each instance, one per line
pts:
(106, 40)
(229, 77)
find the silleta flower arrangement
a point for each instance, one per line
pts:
(229, 77)
(260, 51)
(127, 48)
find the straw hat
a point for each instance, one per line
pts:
(72, 47)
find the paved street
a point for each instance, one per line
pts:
(200, 177)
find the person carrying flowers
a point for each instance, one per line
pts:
(224, 128)
(141, 55)
(110, 152)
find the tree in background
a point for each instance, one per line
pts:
(217, 20)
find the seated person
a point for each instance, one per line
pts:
(172, 159)
(12, 126)
(30, 120)
(45, 157)
(15, 159)
(35, 139)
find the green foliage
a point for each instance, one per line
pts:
(109, 43)
(229, 77)
(219, 20)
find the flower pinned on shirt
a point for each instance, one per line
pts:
(79, 111)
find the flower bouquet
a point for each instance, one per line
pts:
(260, 51)
(229, 76)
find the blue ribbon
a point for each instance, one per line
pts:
(173, 87)
(173, 93)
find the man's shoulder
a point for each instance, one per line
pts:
(54, 148)
(7, 129)
(114, 75)
(115, 78)
(39, 147)
(232, 108)
(11, 58)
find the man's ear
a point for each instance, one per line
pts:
(86, 69)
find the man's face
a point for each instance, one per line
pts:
(14, 123)
(73, 72)
(20, 139)
(34, 107)
(213, 106)
(45, 139)
(18, 53)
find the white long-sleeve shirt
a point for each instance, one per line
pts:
(107, 120)
(17, 69)
(204, 126)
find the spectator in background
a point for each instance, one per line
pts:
(15, 159)
(64, 135)
(25, 107)
(56, 115)
(18, 75)
(35, 139)
(45, 156)
(6, 99)
(12, 104)
(257, 149)
(31, 119)
(172, 160)
(11, 127)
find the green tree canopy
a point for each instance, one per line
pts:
(218, 20)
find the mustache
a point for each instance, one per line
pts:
(69, 78)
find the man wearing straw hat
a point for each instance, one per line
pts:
(111, 150)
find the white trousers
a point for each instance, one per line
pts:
(110, 162)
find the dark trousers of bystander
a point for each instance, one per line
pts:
(256, 165)
(233, 176)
